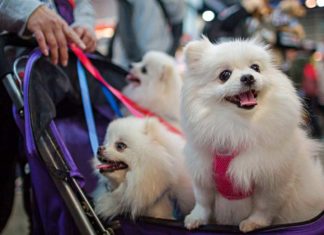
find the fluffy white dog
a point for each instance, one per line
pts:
(145, 166)
(251, 163)
(155, 84)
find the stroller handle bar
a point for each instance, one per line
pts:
(11, 40)
(5, 71)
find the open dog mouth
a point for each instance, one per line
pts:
(244, 100)
(131, 78)
(111, 166)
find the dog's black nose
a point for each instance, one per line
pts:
(130, 66)
(100, 150)
(102, 159)
(247, 79)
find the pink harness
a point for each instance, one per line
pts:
(223, 182)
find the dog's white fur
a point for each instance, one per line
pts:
(155, 174)
(275, 155)
(160, 87)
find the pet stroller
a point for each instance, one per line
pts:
(48, 109)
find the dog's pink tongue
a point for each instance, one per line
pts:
(129, 76)
(104, 166)
(247, 99)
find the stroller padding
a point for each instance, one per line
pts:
(55, 95)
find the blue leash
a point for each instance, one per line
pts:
(87, 108)
(112, 101)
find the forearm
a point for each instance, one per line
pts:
(15, 14)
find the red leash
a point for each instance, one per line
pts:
(72, 3)
(134, 108)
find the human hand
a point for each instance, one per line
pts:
(87, 36)
(52, 34)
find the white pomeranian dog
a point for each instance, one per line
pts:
(251, 163)
(144, 165)
(155, 84)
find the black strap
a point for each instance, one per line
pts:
(164, 11)
(126, 31)
(176, 28)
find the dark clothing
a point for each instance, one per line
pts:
(8, 153)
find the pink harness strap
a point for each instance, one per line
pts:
(223, 182)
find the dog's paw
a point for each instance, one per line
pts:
(107, 206)
(193, 222)
(251, 224)
(197, 217)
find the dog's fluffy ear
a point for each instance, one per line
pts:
(152, 126)
(156, 131)
(195, 50)
(259, 41)
(167, 72)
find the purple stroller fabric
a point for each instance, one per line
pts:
(51, 214)
(314, 227)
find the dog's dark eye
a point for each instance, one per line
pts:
(120, 146)
(144, 70)
(225, 75)
(255, 67)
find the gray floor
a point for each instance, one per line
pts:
(18, 223)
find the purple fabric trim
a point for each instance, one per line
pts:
(73, 133)
(30, 144)
(65, 10)
(313, 228)
(93, 56)
(74, 172)
(141, 228)
(52, 215)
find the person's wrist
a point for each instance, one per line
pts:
(29, 11)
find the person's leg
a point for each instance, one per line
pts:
(8, 155)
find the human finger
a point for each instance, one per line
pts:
(62, 46)
(74, 38)
(53, 45)
(80, 31)
(89, 40)
(40, 38)
(91, 46)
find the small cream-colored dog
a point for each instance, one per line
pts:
(144, 165)
(251, 163)
(155, 84)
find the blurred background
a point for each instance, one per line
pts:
(293, 28)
